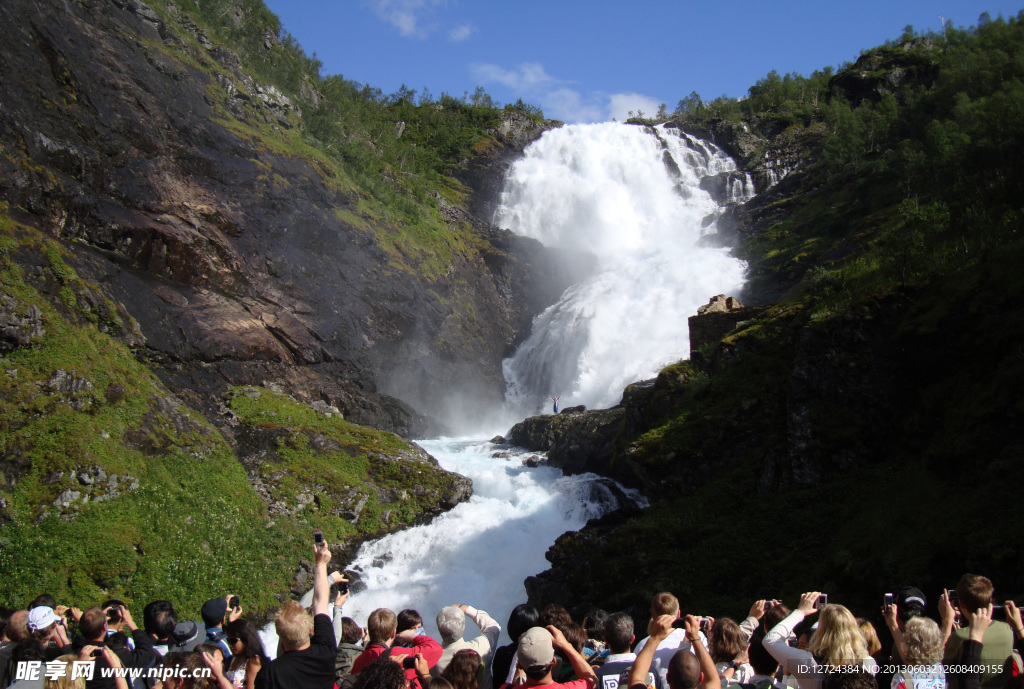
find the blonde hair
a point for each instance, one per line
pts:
(867, 630)
(293, 623)
(838, 640)
(64, 681)
(664, 604)
(924, 641)
(381, 625)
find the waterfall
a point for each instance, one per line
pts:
(639, 200)
(479, 552)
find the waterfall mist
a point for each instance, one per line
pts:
(633, 198)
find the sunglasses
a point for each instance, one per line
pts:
(233, 639)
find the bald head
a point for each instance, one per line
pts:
(683, 671)
(17, 626)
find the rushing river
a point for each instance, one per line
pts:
(480, 552)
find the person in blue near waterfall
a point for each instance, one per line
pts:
(555, 403)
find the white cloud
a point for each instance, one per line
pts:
(528, 76)
(410, 17)
(461, 33)
(568, 105)
(557, 97)
(620, 104)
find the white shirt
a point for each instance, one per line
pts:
(674, 642)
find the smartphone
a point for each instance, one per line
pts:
(890, 599)
(318, 537)
(234, 603)
(822, 601)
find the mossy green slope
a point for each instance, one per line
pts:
(111, 488)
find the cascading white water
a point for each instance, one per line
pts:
(632, 197)
(480, 552)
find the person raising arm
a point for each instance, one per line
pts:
(686, 669)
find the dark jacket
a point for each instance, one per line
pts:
(142, 657)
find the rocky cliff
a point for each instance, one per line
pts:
(182, 188)
(198, 305)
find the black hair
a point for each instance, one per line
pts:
(382, 674)
(244, 631)
(594, 623)
(5, 617)
(27, 650)
(761, 660)
(114, 616)
(159, 618)
(43, 599)
(408, 619)
(521, 619)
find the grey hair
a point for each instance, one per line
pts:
(451, 622)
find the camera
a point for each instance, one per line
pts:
(318, 538)
(704, 624)
(234, 603)
(409, 662)
(114, 615)
(768, 604)
(999, 613)
(890, 599)
(821, 602)
(342, 586)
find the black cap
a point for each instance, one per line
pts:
(213, 611)
(911, 594)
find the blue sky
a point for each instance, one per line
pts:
(591, 60)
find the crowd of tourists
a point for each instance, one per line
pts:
(815, 645)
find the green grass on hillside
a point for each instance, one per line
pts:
(183, 521)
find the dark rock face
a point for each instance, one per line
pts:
(716, 319)
(882, 71)
(116, 144)
(18, 329)
(768, 159)
(576, 441)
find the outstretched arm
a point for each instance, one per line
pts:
(708, 671)
(321, 584)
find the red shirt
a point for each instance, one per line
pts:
(430, 649)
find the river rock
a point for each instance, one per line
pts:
(576, 442)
